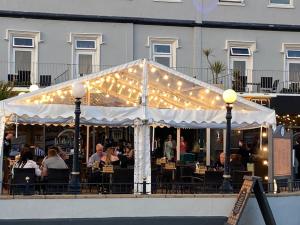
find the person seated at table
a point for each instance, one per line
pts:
(52, 161)
(26, 161)
(221, 161)
(96, 157)
(110, 158)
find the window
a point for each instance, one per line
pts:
(86, 53)
(168, 1)
(163, 50)
(291, 74)
(23, 42)
(240, 51)
(288, 2)
(23, 57)
(232, 1)
(85, 44)
(281, 3)
(293, 54)
(240, 58)
(162, 54)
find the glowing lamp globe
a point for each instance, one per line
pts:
(78, 90)
(229, 96)
(33, 87)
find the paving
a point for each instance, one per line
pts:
(123, 221)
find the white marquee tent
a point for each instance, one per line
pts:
(141, 93)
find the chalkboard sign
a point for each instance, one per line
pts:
(251, 184)
(241, 201)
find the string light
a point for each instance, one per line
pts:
(165, 77)
(153, 69)
(179, 83)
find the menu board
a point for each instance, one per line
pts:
(240, 203)
(282, 157)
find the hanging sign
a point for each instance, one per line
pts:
(282, 153)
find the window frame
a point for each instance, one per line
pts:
(161, 54)
(236, 54)
(291, 57)
(281, 5)
(78, 48)
(22, 46)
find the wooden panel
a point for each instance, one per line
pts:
(282, 157)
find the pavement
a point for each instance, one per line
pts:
(123, 221)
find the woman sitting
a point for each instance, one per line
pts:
(26, 161)
(53, 161)
(110, 158)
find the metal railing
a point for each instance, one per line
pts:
(128, 188)
(246, 81)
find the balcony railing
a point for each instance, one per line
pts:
(248, 81)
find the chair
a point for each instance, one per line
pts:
(266, 84)
(240, 83)
(45, 80)
(23, 181)
(57, 181)
(213, 180)
(188, 157)
(275, 86)
(122, 181)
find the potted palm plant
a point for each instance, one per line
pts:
(216, 67)
(6, 90)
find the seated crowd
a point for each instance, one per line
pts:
(56, 158)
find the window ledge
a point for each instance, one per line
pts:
(169, 1)
(231, 3)
(282, 6)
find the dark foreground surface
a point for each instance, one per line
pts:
(123, 221)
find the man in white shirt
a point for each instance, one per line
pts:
(96, 156)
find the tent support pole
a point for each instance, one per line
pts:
(2, 129)
(94, 139)
(44, 139)
(208, 146)
(87, 143)
(178, 144)
(270, 157)
(153, 138)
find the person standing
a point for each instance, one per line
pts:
(297, 156)
(6, 150)
(7, 144)
(245, 153)
(183, 146)
(169, 147)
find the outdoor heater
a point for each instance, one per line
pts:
(78, 91)
(229, 97)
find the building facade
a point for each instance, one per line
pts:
(258, 42)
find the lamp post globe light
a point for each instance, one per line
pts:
(78, 91)
(229, 97)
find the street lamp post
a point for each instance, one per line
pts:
(229, 97)
(78, 91)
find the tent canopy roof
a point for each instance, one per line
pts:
(140, 89)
